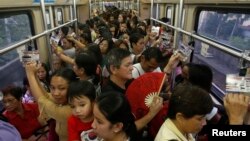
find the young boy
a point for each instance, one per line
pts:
(81, 96)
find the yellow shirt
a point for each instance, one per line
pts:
(169, 131)
(49, 109)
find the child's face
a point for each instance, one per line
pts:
(82, 108)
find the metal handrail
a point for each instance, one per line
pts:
(16, 45)
(219, 46)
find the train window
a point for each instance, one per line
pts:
(59, 16)
(183, 18)
(14, 27)
(158, 11)
(228, 28)
(48, 19)
(135, 5)
(71, 11)
(169, 13)
(154, 11)
(121, 4)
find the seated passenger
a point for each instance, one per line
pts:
(24, 116)
(113, 119)
(187, 111)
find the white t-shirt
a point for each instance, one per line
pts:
(138, 71)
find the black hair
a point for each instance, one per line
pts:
(135, 37)
(81, 88)
(90, 23)
(86, 61)
(66, 73)
(190, 100)
(139, 31)
(93, 47)
(110, 43)
(3, 118)
(65, 30)
(115, 107)
(200, 75)
(86, 37)
(152, 52)
(14, 91)
(105, 32)
(47, 77)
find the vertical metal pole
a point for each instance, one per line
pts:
(47, 36)
(123, 4)
(51, 17)
(179, 22)
(157, 11)
(103, 6)
(44, 14)
(138, 7)
(178, 35)
(180, 13)
(71, 12)
(151, 14)
(74, 15)
(90, 8)
(95, 4)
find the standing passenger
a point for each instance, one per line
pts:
(43, 76)
(149, 62)
(137, 45)
(55, 105)
(120, 68)
(113, 119)
(81, 96)
(187, 111)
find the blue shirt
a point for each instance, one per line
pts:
(8, 132)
